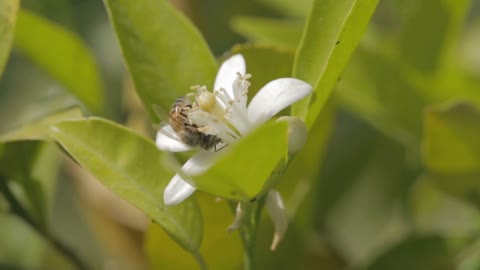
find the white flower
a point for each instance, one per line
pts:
(225, 114)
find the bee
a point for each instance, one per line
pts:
(188, 132)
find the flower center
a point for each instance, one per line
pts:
(222, 113)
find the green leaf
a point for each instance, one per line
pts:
(164, 254)
(13, 251)
(17, 158)
(130, 166)
(245, 167)
(333, 31)
(450, 142)
(38, 130)
(451, 150)
(298, 8)
(298, 183)
(416, 253)
(260, 59)
(8, 15)
(433, 209)
(17, 163)
(63, 55)
(376, 88)
(442, 20)
(165, 54)
(282, 33)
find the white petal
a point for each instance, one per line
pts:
(167, 140)
(297, 133)
(200, 162)
(279, 216)
(177, 191)
(228, 73)
(274, 97)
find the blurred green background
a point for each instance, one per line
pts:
(396, 151)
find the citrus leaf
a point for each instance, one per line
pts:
(260, 59)
(334, 29)
(38, 130)
(8, 15)
(165, 54)
(450, 142)
(451, 150)
(242, 170)
(280, 33)
(63, 55)
(130, 166)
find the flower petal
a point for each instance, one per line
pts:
(178, 189)
(200, 162)
(167, 140)
(274, 97)
(279, 216)
(228, 73)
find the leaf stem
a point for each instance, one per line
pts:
(17, 209)
(201, 262)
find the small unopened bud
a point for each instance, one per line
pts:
(297, 133)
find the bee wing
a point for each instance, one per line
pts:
(162, 114)
(168, 139)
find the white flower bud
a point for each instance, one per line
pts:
(297, 133)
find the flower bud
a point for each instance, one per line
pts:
(297, 133)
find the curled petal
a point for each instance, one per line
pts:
(167, 140)
(277, 212)
(297, 133)
(177, 191)
(228, 73)
(274, 97)
(239, 217)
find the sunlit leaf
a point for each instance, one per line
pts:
(63, 55)
(239, 174)
(38, 130)
(165, 54)
(8, 15)
(130, 166)
(333, 31)
(283, 33)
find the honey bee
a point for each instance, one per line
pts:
(188, 132)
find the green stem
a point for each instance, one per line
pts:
(201, 262)
(17, 209)
(248, 231)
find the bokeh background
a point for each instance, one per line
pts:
(389, 189)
